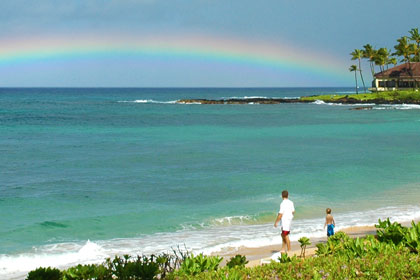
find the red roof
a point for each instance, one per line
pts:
(401, 71)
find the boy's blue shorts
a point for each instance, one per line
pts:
(330, 230)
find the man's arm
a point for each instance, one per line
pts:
(279, 215)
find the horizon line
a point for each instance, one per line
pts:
(166, 87)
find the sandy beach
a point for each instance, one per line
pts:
(259, 255)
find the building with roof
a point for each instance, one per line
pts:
(403, 76)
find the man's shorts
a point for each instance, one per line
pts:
(285, 232)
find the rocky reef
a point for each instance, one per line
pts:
(344, 99)
(241, 101)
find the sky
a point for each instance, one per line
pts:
(193, 43)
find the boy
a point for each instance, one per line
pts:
(287, 210)
(329, 223)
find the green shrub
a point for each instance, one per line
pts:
(284, 258)
(390, 232)
(231, 275)
(393, 264)
(145, 268)
(334, 244)
(166, 264)
(87, 272)
(43, 273)
(237, 260)
(397, 234)
(200, 263)
(412, 237)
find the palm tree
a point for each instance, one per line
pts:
(304, 241)
(392, 60)
(353, 68)
(406, 50)
(415, 36)
(358, 54)
(381, 58)
(369, 53)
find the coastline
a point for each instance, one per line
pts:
(376, 98)
(259, 255)
(97, 252)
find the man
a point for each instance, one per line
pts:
(287, 210)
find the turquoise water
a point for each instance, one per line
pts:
(125, 168)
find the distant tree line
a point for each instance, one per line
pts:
(407, 50)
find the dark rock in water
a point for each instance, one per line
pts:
(343, 100)
(240, 101)
(348, 100)
(362, 108)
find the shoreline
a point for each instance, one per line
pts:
(268, 101)
(376, 98)
(260, 255)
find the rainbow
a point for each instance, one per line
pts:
(197, 47)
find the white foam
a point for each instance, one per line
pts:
(205, 239)
(376, 107)
(188, 103)
(252, 97)
(262, 97)
(233, 220)
(247, 97)
(58, 255)
(148, 101)
(320, 102)
(346, 92)
(398, 107)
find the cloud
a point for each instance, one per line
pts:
(50, 9)
(45, 16)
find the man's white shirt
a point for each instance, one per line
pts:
(286, 209)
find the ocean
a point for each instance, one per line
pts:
(95, 172)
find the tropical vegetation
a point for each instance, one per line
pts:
(407, 50)
(393, 253)
(304, 242)
(378, 97)
(353, 68)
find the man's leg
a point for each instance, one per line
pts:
(287, 242)
(283, 244)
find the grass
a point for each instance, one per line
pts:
(403, 96)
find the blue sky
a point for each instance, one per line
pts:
(330, 27)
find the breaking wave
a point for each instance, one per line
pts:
(320, 102)
(147, 101)
(398, 107)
